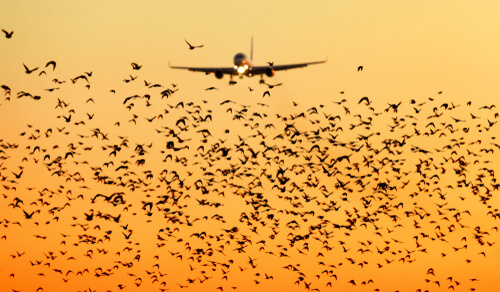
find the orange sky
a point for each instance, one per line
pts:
(440, 54)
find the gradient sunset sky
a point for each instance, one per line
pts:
(433, 52)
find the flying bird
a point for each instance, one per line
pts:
(365, 99)
(271, 86)
(191, 47)
(135, 66)
(8, 34)
(29, 71)
(51, 63)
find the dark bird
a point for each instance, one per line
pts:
(29, 71)
(191, 47)
(8, 34)
(51, 63)
(368, 102)
(266, 93)
(18, 176)
(271, 86)
(135, 66)
(127, 236)
(360, 68)
(28, 215)
(7, 89)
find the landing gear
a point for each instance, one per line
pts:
(261, 81)
(231, 81)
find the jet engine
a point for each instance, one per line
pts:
(219, 74)
(269, 72)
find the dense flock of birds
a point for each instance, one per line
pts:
(218, 192)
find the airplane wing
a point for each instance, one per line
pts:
(208, 70)
(256, 70)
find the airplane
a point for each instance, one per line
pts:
(243, 67)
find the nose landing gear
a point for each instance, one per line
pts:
(231, 81)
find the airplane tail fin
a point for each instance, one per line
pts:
(251, 50)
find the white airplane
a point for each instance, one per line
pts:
(243, 67)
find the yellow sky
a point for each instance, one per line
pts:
(421, 46)
(408, 50)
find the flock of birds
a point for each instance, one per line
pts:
(220, 192)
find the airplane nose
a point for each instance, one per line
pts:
(239, 59)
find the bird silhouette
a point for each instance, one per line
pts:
(51, 63)
(8, 34)
(271, 86)
(135, 66)
(29, 71)
(365, 99)
(191, 47)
